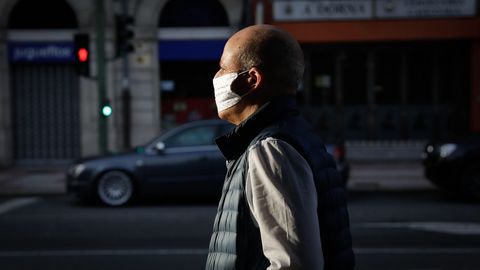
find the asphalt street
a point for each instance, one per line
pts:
(415, 230)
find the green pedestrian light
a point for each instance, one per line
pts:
(106, 109)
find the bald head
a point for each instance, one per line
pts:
(272, 50)
(268, 62)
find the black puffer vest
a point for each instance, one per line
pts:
(236, 242)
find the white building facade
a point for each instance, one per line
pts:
(49, 114)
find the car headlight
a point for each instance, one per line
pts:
(77, 170)
(447, 149)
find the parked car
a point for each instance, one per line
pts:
(184, 161)
(454, 165)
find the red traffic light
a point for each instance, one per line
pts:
(82, 54)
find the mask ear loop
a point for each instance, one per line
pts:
(243, 72)
(238, 75)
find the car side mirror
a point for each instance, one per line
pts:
(160, 147)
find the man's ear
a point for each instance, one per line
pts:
(251, 81)
(255, 78)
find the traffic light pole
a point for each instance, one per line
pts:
(100, 48)
(126, 96)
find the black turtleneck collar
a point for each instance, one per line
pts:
(233, 144)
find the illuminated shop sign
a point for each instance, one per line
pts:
(308, 10)
(322, 10)
(425, 8)
(40, 52)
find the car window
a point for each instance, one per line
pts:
(193, 136)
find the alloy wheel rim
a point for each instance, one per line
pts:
(115, 188)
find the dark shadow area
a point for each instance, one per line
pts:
(51, 14)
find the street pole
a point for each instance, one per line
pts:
(126, 97)
(100, 48)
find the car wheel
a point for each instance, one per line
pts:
(471, 181)
(115, 188)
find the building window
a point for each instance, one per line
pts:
(34, 14)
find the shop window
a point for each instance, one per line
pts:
(420, 76)
(322, 79)
(387, 78)
(191, 79)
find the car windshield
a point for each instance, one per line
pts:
(193, 136)
(197, 134)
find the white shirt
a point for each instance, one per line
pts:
(282, 199)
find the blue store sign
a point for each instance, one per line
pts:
(190, 50)
(58, 52)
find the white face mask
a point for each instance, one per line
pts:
(224, 96)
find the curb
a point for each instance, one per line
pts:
(387, 176)
(28, 181)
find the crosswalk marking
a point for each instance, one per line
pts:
(456, 228)
(16, 203)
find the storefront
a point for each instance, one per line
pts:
(44, 87)
(50, 114)
(45, 108)
(191, 39)
(394, 91)
(386, 70)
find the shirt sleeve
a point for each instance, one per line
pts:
(282, 199)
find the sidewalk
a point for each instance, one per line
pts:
(25, 181)
(400, 176)
(371, 176)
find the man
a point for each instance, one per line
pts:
(283, 205)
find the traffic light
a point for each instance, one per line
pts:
(82, 53)
(106, 109)
(123, 35)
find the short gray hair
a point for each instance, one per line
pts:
(276, 53)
